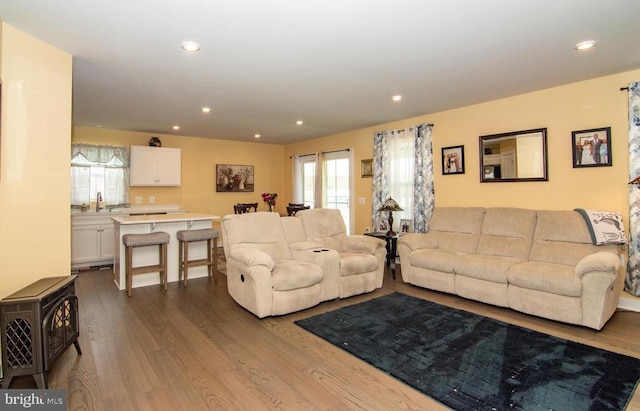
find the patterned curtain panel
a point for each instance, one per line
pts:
(420, 204)
(423, 180)
(380, 183)
(632, 280)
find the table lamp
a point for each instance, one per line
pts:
(390, 205)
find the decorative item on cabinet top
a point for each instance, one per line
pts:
(155, 142)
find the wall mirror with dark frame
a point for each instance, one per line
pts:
(514, 156)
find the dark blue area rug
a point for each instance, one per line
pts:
(469, 362)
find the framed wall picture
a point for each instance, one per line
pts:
(591, 148)
(453, 160)
(366, 168)
(234, 178)
(406, 226)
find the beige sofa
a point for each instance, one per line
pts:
(278, 265)
(538, 262)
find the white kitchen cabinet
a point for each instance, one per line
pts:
(155, 166)
(92, 243)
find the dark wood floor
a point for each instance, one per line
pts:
(196, 349)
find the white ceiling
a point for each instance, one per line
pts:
(333, 63)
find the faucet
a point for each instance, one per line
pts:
(98, 201)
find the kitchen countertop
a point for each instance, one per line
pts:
(125, 211)
(163, 218)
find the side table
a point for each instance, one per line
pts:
(392, 249)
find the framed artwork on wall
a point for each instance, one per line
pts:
(366, 168)
(453, 160)
(591, 148)
(234, 178)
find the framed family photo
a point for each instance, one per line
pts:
(406, 225)
(453, 160)
(591, 148)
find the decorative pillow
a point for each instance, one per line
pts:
(605, 227)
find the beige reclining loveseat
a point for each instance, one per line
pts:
(278, 265)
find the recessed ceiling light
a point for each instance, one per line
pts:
(396, 98)
(585, 45)
(190, 46)
(176, 127)
(299, 122)
(256, 135)
(206, 109)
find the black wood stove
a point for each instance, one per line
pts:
(38, 323)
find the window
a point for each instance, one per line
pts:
(337, 193)
(99, 169)
(324, 180)
(400, 171)
(403, 170)
(308, 180)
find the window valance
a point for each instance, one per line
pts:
(101, 154)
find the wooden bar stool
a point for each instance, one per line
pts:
(188, 236)
(131, 241)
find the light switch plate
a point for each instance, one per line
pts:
(361, 200)
(138, 200)
(152, 199)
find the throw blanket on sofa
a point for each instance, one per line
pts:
(605, 227)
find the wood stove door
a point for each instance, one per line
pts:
(60, 329)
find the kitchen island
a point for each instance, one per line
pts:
(169, 223)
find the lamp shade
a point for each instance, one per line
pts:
(390, 205)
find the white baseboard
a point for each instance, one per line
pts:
(629, 302)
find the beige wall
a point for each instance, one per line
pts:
(199, 159)
(579, 106)
(34, 161)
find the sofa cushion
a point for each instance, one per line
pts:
(435, 259)
(324, 226)
(357, 263)
(562, 225)
(457, 228)
(293, 229)
(507, 232)
(563, 237)
(291, 275)
(485, 267)
(261, 230)
(551, 278)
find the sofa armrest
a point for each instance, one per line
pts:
(358, 243)
(251, 257)
(601, 262)
(416, 241)
(304, 245)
